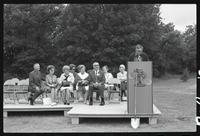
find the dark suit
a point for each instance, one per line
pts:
(143, 55)
(35, 79)
(93, 78)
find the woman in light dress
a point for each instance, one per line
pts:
(82, 85)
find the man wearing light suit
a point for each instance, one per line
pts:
(96, 82)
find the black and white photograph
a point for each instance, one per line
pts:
(84, 68)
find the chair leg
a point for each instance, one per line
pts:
(119, 96)
(16, 96)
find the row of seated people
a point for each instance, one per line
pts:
(83, 82)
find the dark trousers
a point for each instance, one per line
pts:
(99, 90)
(123, 92)
(123, 88)
(35, 93)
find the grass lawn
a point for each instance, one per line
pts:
(174, 98)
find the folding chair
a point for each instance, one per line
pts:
(9, 90)
(114, 81)
(22, 90)
(10, 87)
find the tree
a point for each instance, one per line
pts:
(107, 33)
(190, 49)
(28, 30)
(84, 33)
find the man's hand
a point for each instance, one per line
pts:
(37, 88)
(53, 85)
(95, 84)
(83, 81)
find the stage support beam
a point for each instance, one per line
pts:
(5, 114)
(153, 120)
(65, 113)
(75, 120)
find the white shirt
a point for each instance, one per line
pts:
(83, 76)
(122, 76)
(108, 76)
(96, 72)
(70, 78)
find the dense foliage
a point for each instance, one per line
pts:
(84, 33)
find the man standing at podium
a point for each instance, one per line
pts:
(138, 55)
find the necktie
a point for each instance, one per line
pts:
(139, 58)
(96, 75)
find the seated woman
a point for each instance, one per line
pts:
(51, 83)
(107, 76)
(122, 76)
(82, 83)
(66, 81)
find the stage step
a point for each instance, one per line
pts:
(37, 107)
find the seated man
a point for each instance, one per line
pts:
(96, 82)
(35, 83)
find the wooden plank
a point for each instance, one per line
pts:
(5, 114)
(156, 110)
(75, 120)
(153, 120)
(26, 107)
(111, 110)
(65, 113)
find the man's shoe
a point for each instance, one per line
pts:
(30, 100)
(102, 102)
(97, 98)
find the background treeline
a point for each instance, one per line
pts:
(83, 33)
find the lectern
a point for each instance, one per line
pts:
(140, 89)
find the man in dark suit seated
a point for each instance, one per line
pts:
(138, 55)
(96, 82)
(35, 83)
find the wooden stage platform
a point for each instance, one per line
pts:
(108, 111)
(37, 107)
(80, 110)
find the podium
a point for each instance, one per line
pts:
(140, 89)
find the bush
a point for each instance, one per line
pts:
(7, 76)
(185, 75)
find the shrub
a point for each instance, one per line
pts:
(185, 75)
